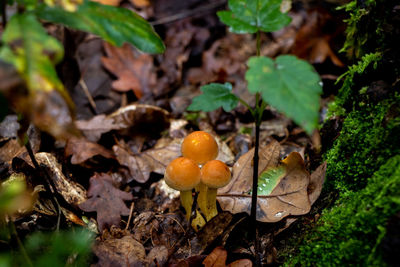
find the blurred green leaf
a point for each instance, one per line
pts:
(56, 249)
(113, 24)
(288, 84)
(33, 52)
(72, 248)
(10, 192)
(250, 16)
(214, 95)
(269, 179)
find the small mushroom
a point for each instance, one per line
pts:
(183, 174)
(200, 147)
(214, 174)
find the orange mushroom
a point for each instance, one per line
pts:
(214, 174)
(183, 174)
(200, 147)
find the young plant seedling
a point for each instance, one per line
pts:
(287, 83)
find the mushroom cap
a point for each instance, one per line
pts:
(182, 174)
(200, 147)
(215, 174)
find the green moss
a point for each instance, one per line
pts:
(368, 138)
(350, 233)
(367, 26)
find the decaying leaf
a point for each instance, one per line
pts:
(106, 200)
(138, 117)
(153, 160)
(283, 187)
(71, 191)
(125, 251)
(141, 3)
(134, 72)
(312, 43)
(108, 2)
(82, 150)
(218, 256)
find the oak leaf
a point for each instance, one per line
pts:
(134, 72)
(106, 200)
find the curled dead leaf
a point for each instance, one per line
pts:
(71, 191)
(283, 187)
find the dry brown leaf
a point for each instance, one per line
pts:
(316, 183)
(141, 3)
(120, 252)
(139, 117)
(216, 258)
(312, 43)
(134, 72)
(82, 150)
(108, 2)
(241, 263)
(153, 160)
(287, 195)
(106, 200)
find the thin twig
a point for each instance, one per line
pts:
(130, 216)
(87, 93)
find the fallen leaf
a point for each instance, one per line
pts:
(134, 72)
(72, 192)
(316, 182)
(158, 256)
(141, 3)
(138, 117)
(108, 2)
(312, 43)
(125, 251)
(283, 188)
(241, 263)
(82, 150)
(140, 165)
(9, 127)
(216, 258)
(95, 127)
(106, 200)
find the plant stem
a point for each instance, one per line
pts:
(258, 36)
(253, 214)
(20, 245)
(4, 13)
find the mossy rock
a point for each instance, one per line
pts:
(351, 232)
(369, 136)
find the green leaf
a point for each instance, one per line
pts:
(33, 52)
(113, 24)
(250, 16)
(269, 179)
(288, 84)
(214, 95)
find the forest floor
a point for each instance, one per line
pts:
(131, 109)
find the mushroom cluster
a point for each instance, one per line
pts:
(198, 169)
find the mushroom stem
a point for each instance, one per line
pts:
(207, 201)
(187, 202)
(211, 203)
